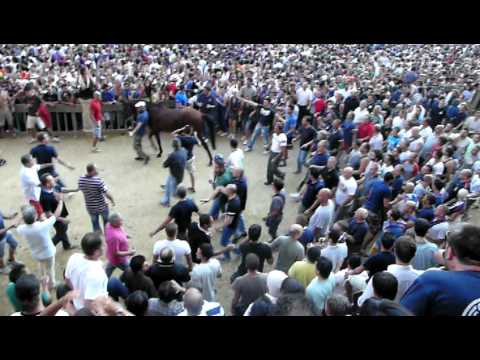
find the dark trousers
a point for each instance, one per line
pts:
(273, 225)
(61, 235)
(272, 167)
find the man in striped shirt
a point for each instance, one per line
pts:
(94, 190)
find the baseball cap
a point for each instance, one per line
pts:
(219, 159)
(140, 104)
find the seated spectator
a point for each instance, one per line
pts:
(196, 306)
(383, 307)
(167, 269)
(335, 251)
(275, 279)
(135, 279)
(427, 254)
(137, 303)
(169, 301)
(337, 305)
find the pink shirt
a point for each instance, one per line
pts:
(116, 239)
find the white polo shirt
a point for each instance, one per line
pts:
(345, 189)
(304, 96)
(278, 141)
(30, 182)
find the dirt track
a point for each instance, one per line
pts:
(137, 192)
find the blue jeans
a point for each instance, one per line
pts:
(241, 225)
(170, 188)
(302, 156)
(116, 289)
(225, 240)
(265, 130)
(10, 240)
(111, 268)
(215, 210)
(96, 220)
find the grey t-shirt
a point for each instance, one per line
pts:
(289, 251)
(250, 287)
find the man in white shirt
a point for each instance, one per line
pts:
(204, 275)
(304, 100)
(37, 234)
(346, 189)
(335, 251)
(321, 219)
(85, 272)
(405, 274)
(472, 124)
(183, 252)
(277, 152)
(360, 112)
(236, 159)
(30, 181)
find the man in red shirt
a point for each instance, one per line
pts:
(366, 129)
(96, 116)
(46, 117)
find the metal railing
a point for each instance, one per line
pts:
(67, 118)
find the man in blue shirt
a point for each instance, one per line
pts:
(455, 292)
(289, 125)
(139, 131)
(181, 97)
(44, 154)
(378, 199)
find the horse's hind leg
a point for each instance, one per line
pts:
(160, 150)
(154, 147)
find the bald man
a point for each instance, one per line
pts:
(347, 187)
(289, 248)
(196, 306)
(322, 218)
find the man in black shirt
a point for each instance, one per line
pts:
(252, 245)
(233, 209)
(242, 189)
(135, 279)
(307, 135)
(351, 103)
(199, 234)
(49, 202)
(206, 102)
(265, 122)
(166, 269)
(176, 162)
(378, 262)
(181, 213)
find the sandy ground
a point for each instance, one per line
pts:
(137, 192)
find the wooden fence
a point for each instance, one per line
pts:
(68, 118)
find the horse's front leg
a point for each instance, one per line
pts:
(150, 137)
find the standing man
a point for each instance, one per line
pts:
(176, 163)
(31, 182)
(6, 237)
(307, 135)
(346, 189)
(207, 104)
(49, 202)
(233, 211)
(94, 190)
(37, 234)
(44, 154)
(205, 275)
(139, 131)
(289, 248)
(275, 215)
(96, 117)
(33, 119)
(278, 151)
(85, 272)
(304, 100)
(181, 213)
(188, 139)
(118, 247)
(265, 120)
(322, 218)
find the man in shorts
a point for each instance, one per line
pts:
(96, 116)
(6, 117)
(33, 119)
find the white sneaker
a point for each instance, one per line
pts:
(266, 152)
(245, 142)
(56, 139)
(5, 270)
(32, 140)
(247, 149)
(96, 150)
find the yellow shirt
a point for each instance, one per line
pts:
(303, 271)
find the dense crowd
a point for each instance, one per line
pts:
(385, 139)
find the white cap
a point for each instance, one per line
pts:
(140, 104)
